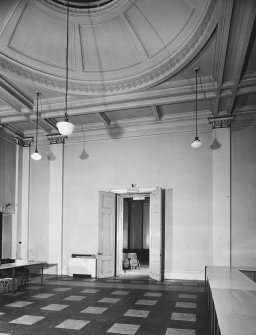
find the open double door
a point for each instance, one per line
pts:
(111, 235)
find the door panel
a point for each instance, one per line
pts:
(155, 253)
(106, 254)
(119, 234)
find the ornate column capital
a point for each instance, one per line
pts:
(56, 139)
(24, 141)
(221, 122)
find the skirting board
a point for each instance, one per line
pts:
(184, 275)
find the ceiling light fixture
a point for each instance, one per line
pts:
(36, 156)
(65, 127)
(196, 143)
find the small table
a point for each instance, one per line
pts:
(22, 264)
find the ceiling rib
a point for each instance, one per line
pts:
(156, 112)
(225, 14)
(103, 117)
(14, 97)
(246, 33)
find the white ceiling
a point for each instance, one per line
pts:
(131, 63)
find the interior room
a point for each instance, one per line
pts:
(127, 166)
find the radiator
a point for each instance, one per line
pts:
(82, 265)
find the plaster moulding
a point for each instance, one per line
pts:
(145, 78)
(111, 8)
(142, 128)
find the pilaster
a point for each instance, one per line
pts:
(56, 202)
(221, 195)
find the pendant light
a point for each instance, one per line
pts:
(196, 143)
(36, 156)
(65, 127)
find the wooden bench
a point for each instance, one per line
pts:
(231, 301)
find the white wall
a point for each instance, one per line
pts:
(165, 161)
(39, 207)
(243, 237)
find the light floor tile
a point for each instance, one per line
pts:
(15, 294)
(27, 319)
(89, 290)
(178, 331)
(73, 324)
(146, 302)
(122, 328)
(188, 296)
(153, 294)
(109, 300)
(55, 307)
(43, 295)
(33, 287)
(94, 310)
(75, 297)
(62, 289)
(137, 313)
(19, 304)
(185, 304)
(121, 292)
(183, 317)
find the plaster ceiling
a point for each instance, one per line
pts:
(131, 62)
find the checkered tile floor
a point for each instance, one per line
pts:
(111, 306)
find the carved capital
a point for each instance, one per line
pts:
(24, 141)
(221, 122)
(56, 139)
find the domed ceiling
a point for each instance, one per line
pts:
(130, 61)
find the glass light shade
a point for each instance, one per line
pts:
(196, 144)
(65, 128)
(36, 156)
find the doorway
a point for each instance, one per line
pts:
(136, 216)
(111, 234)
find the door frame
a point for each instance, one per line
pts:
(126, 193)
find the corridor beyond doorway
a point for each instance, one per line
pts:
(136, 234)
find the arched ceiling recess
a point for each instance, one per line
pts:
(83, 4)
(118, 51)
(131, 62)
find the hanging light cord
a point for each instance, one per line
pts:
(37, 93)
(196, 69)
(66, 96)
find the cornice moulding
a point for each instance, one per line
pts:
(140, 127)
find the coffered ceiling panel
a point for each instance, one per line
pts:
(107, 47)
(247, 100)
(186, 107)
(130, 114)
(250, 65)
(147, 17)
(36, 43)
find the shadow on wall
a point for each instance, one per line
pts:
(215, 143)
(115, 132)
(51, 157)
(84, 155)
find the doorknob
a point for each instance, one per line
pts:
(100, 253)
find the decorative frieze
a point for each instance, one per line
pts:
(56, 139)
(221, 122)
(24, 141)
